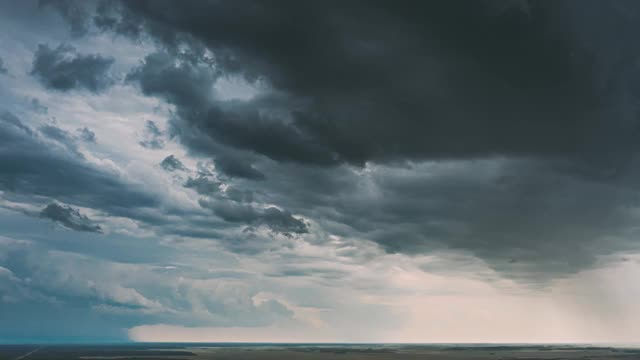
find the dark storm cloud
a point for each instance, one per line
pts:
(234, 205)
(178, 80)
(527, 219)
(171, 163)
(238, 168)
(359, 91)
(243, 196)
(31, 165)
(514, 81)
(203, 185)
(280, 221)
(70, 218)
(64, 69)
(259, 127)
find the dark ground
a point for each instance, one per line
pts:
(311, 352)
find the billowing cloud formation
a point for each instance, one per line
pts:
(69, 217)
(64, 69)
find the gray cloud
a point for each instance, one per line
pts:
(61, 137)
(191, 83)
(235, 167)
(203, 185)
(280, 221)
(296, 271)
(3, 69)
(64, 69)
(38, 107)
(86, 134)
(171, 163)
(527, 219)
(32, 166)
(69, 217)
(75, 13)
(152, 136)
(57, 134)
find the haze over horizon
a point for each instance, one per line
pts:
(462, 171)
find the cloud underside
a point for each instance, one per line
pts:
(492, 128)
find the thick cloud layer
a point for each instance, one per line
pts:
(524, 84)
(380, 81)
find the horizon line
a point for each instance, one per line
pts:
(131, 342)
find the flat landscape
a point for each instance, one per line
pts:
(311, 352)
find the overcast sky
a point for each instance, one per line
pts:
(377, 171)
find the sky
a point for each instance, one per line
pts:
(321, 171)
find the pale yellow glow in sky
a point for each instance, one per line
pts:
(595, 306)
